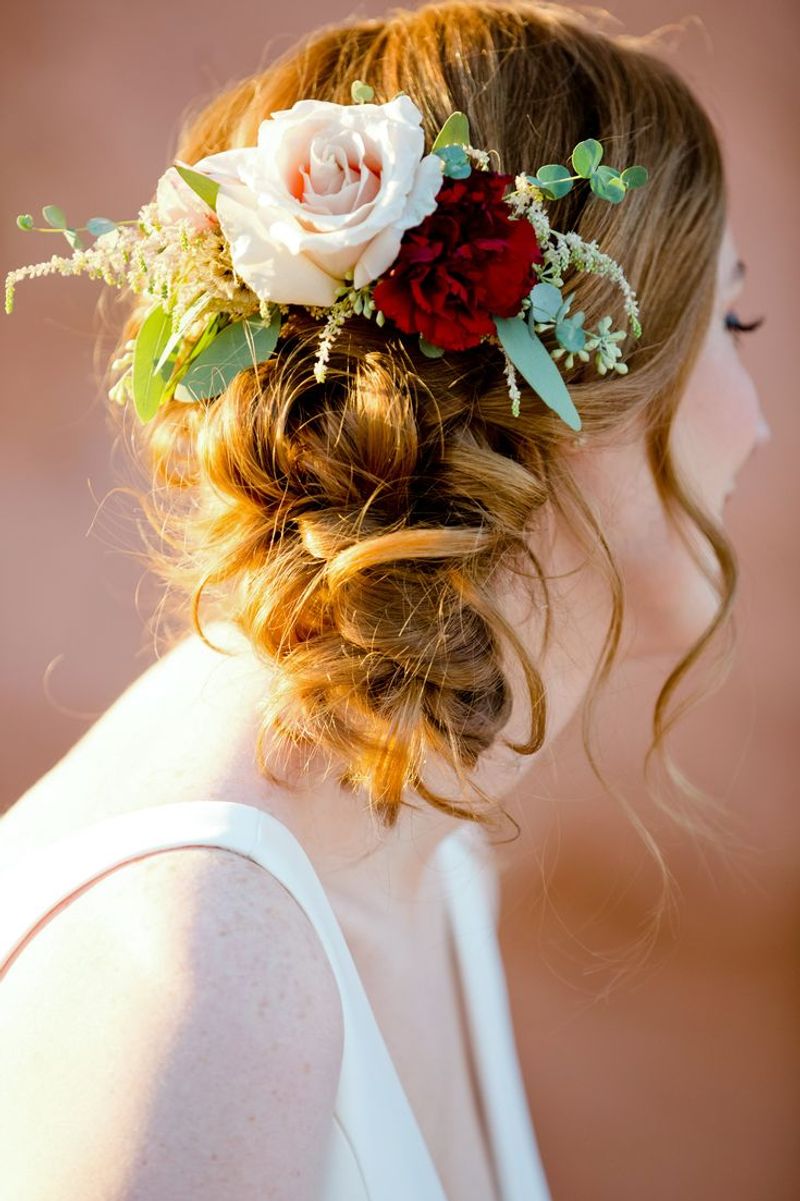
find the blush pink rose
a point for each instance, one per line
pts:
(328, 189)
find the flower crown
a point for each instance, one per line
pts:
(338, 209)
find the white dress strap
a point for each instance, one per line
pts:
(472, 892)
(33, 887)
(394, 1159)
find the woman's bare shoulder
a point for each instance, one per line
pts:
(188, 985)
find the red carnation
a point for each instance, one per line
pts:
(468, 260)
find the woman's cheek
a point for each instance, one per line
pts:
(745, 420)
(668, 601)
(719, 420)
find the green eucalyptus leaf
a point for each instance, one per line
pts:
(456, 162)
(240, 346)
(606, 182)
(25, 221)
(428, 349)
(174, 366)
(148, 385)
(54, 216)
(361, 92)
(205, 188)
(169, 369)
(635, 177)
(100, 225)
(454, 132)
(73, 238)
(586, 157)
(546, 302)
(554, 180)
(531, 358)
(179, 331)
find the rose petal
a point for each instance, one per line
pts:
(235, 165)
(381, 252)
(377, 257)
(269, 268)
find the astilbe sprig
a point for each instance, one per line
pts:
(172, 262)
(564, 250)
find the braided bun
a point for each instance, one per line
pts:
(353, 529)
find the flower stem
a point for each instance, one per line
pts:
(52, 229)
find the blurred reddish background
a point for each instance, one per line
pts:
(92, 94)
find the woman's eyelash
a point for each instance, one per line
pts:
(736, 326)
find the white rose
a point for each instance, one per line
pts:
(328, 189)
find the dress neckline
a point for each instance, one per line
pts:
(455, 855)
(516, 1162)
(512, 1146)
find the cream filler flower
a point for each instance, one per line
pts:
(328, 190)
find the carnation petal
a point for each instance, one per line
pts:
(465, 261)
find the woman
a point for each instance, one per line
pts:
(336, 1025)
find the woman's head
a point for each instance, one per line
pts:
(368, 533)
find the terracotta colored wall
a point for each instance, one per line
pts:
(94, 92)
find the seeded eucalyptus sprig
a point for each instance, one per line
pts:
(57, 224)
(548, 310)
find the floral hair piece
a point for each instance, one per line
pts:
(338, 209)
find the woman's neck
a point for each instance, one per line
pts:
(359, 860)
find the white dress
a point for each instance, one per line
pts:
(376, 1150)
